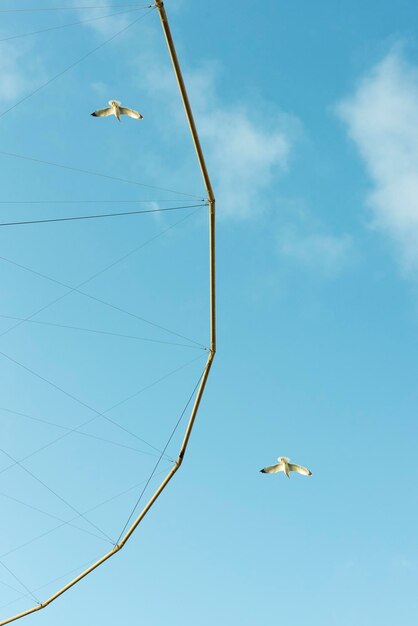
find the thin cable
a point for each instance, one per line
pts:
(101, 215)
(104, 302)
(84, 201)
(54, 517)
(19, 581)
(100, 332)
(41, 482)
(77, 432)
(103, 414)
(91, 173)
(67, 69)
(18, 591)
(40, 536)
(161, 456)
(46, 30)
(75, 8)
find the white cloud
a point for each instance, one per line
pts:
(327, 253)
(382, 120)
(15, 75)
(305, 244)
(246, 147)
(245, 157)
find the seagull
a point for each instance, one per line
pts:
(117, 110)
(284, 466)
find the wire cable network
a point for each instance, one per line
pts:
(200, 385)
(76, 289)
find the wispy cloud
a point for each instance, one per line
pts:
(246, 156)
(305, 243)
(327, 253)
(247, 147)
(16, 75)
(382, 120)
(403, 562)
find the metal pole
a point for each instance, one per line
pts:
(212, 304)
(202, 163)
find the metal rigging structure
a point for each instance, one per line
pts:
(127, 533)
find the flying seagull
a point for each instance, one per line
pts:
(117, 110)
(284, 466)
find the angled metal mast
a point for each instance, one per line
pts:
(212, 205)
(212, 314)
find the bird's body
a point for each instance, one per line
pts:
(284, 466)
(117, 110)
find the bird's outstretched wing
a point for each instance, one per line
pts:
(299, 469)
(103, 112)
(273, 469)
(131, 113)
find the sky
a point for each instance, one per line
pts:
(307, 114)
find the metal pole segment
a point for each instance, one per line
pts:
(202, 163)
(179, 461)
(211, 198)
(183, 92)
(212, 276)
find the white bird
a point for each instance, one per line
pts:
(284, 466)
(117, 110)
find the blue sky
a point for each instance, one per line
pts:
(308, 118)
